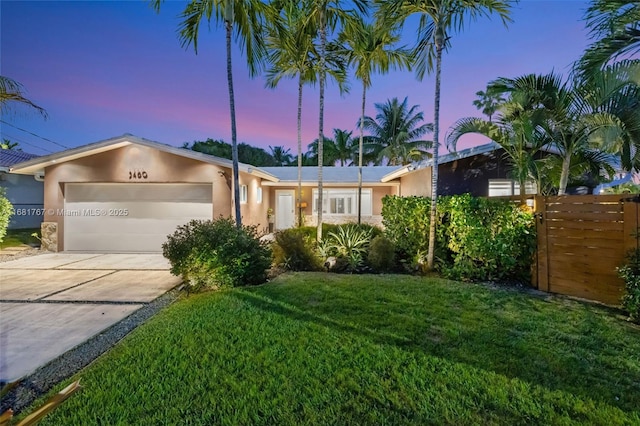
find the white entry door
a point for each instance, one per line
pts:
(285, 209)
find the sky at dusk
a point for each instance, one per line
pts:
(104, 68)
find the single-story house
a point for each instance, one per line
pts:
(126, 194)
(24, 192)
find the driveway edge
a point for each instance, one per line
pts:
(66, 365)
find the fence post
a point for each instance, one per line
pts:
(631, 224)
(541, 275)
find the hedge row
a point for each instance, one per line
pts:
(478, 239)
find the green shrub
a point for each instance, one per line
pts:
(217, 254)
(488, 239)
(6, 211)
(406, 223)
(630, 274)
(327, 228)
(478, 239)
(382, 256)
(294, 250)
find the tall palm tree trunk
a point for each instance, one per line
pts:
(439, 39)
(360, 149)
(323, 44)
(234, 142)
(564, 175)
(299, 197)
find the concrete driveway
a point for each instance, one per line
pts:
(51, 303)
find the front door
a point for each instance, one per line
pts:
(285, 209)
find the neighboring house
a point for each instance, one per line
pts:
(482, 171)
(25, 192)
(127, 194)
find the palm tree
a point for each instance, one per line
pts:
(329, 153)
(575, 116)
(370, 50)
(438, 19)
(346, 147)
(488, 102)
(396, 132)
(521, 138)
(292, 53)
(616, 26)
(7, 144)
(325, 16)
(11, 91)
(281, 155)
(245, 19)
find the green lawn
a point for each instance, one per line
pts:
(18, 237)
(313, 348)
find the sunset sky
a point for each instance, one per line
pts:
(104, 68)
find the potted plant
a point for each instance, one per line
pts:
(270, 218)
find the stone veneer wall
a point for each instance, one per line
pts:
(49, 236)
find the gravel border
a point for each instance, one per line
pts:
(20, 254)
(66, 365)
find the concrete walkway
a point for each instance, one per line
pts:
(53, 302)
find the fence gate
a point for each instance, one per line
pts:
(581, 241)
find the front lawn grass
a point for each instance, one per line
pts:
(314, 348)
(18, 237)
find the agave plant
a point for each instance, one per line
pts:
(350, 243)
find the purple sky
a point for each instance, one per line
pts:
(104, 68)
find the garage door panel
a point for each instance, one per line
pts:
(105, 192)
(130, 210)
(104, 218)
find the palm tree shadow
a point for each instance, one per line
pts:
(475, 345)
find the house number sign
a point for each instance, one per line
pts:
(138, 174)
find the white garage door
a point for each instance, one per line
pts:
(130, 217)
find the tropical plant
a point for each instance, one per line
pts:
(245, 19)
(350, 243)
(6, 211)
(630, 274)
(11, 92)
(212, 254)
(488, 102)
(325, 16)
(281, 155)
(371, 50)
(7, 144)
(346, 147)
(615, 26)
(295, 251)
(394, 135)
(438, 20)
(578, 117)
(329, 152)
(247, 154)
(292, 53)
(521, 138)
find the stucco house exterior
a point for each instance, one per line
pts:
(24, 192)
(126, 194)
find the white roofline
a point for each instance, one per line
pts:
(38, 164)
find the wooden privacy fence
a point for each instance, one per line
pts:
(581, 241)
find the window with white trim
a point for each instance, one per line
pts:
(508, 187)
(343, 202)
(244, 194)
(259, 195)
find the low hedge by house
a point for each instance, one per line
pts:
(478, 239)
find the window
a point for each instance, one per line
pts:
(507, 187)
(259, 195)
(343, 202)
(243, 194)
